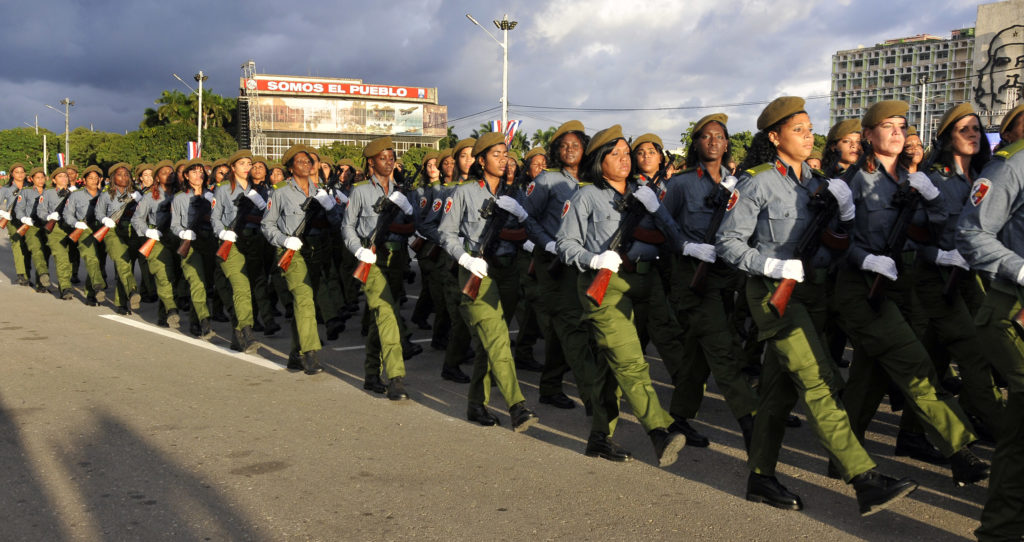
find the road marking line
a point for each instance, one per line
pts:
(255, 360)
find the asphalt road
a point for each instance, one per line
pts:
(113, 429)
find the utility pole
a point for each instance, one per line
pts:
(199, 77)
(924, 123)
(67, 132)
(504, 25)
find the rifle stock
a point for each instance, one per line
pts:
(75, 235)
(3, 222)
(23, 229)
(49, 225)
(184, 247)
(100, 233)
(362, 271)
(224, 250)
(780, 297)
(599, 286)
(147, 248)
(472, 286)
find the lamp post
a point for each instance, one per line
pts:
(67, 103)
(199, 77)
(504, 25)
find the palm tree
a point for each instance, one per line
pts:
(174, 107)
(541, 138)
(484, 128)
(217, 110)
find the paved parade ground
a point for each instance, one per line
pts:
(115, 429)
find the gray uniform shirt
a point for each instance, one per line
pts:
(767, 215)
(9, 198)
(990, 234)
(284, 211)
(872, 197)
(81, 207)
(225, 211)
(432, 218)
(28, 202)
(192, 212)
(545, 197)
(153, 213)
(954, 188)
(461, 217)
(360, 218)
(687, 201)
(106, 205)
(51, 200)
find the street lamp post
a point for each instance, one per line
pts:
(67, 103)
(504, 25)
(199, 77)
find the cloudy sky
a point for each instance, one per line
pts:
(568, 59)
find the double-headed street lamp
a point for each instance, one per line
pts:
(504, 25)
(199, 77)
(67, 103)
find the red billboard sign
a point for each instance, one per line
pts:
(286, 85)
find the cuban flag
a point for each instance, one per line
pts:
(510, 131)
(496, 126)
(192, 150)
(61, 161)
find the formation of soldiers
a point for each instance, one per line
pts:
(598, 246)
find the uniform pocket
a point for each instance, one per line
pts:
(785, 221)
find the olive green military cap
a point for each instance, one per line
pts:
(16, 165)
(571, 126)
(446, 153)
(431, 155)
(92, 169)
(842, 129)
(647, 138)
(468, 142)
(218, 162)
(289, 154)
(34, 171)
(720, 118)
(487, 141)
(143, 167)
(113, 169)
(884, 110)
(71, 167)
(162, 164)
(815, 154)
(536, 151)
(911, 131)
(1008, 119)
(347, 162)
(189, 164)
(180, 163)
(955, 113)
(58, 171)
(780, 108)
(238, 155)
(377, 146)
(260, 160)
(604, 136)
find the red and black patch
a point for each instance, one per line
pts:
(423, 202)
(781, 167)
(437, 205)
(732, 200)
(447, 205)
(565, 208)
(530, 187)
(979, 191)
(269, 202)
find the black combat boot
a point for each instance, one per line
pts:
(876, 491)
(666, 445)
(600, 445)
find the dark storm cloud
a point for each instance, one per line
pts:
(114, 58)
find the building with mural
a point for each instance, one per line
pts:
(278, 111)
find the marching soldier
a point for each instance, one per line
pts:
(80, 214)
(50, 208)
(534, 163)
(190, 222)
(842, 148)
(1012, 128)
(121, 198)
(989, 239)
(8, 203)
(152, 218)
(485, 314)
(765, 218)
(26, 209)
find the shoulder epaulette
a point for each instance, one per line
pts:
(758, 169)
(360, 183)
(818, 173)
(281, 184)
(553, 169)
(585, 183)
(943, 170)
(222, 183)
(1009, 150)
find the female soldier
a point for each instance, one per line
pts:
(693, 197)
(913, 151)
(147, 285)
(943, 279)
(765, 218)
(430, 299)
(236, 216)
(153, 219)
(27, 206)
(288, 206)
(484, 313)
(120, 199)
(261, 275)
(190, 221)
(384, 341)
(534, 163)
(8, 201)
(565, 340)
(53, 204)
(877, 327)
(80, 214)
(589, 220)
(842, 148)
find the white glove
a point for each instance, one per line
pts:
(27, 220)
(53, 216)
(920, 182)
(340, 197)
(136, 196)
(477, 266)
(550, 247)
(883, 265)
(401, 201)
(784, 269)
(528, 245)
(5, 215)
(108, 222)
(1020, 276)
(701, 251)
(72, 188)
(952, 257)
(844, 197)
(509, 204)
(152, 233)
(256, 198)
(646, 196)
(608, 259)
(293, 243)
(81, 226)
(366, 255)
(729, 183)
(187, 235)
(208, 196)
(228, 235)
(325, 199)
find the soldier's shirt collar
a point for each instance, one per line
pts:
(378, 183)
(786, 170)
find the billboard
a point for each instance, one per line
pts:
(336, 87)
(347, 116)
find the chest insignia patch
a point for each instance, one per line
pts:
(437, 205)
(529, 188)
(979, 191)
(423, 202)
(565, 208)
(447, 205)
(732, 200)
